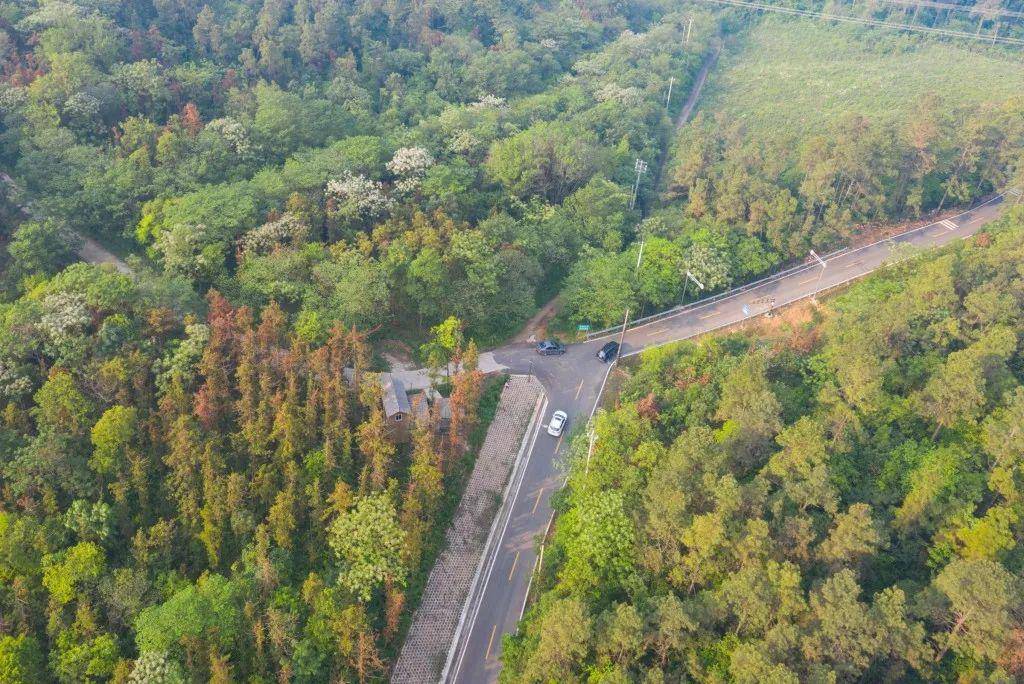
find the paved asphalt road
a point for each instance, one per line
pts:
(573, 382)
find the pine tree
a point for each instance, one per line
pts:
(467, 386)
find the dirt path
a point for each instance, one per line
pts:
(687, 111)
(94, 253)
(90, 251)
(702, 78)
(537, 326)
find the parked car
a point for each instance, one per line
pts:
(550, 348)
(557, 423)
(609, 351)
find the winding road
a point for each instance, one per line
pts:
(573, 383)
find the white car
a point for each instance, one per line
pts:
(557, 423)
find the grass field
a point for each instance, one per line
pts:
(785, 78)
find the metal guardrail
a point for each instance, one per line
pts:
(1014, 192)
(683, 308)
(807, 265)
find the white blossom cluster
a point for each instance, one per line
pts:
(629, 96)
(410, 161)
(13, 383)
(233, 133)
(154, 667)
(409, 164)
(488, 101)
(50, 14)
(12, 96)
(708, 264)
(287, 230)
(83, 105)
(359, 195)
(65, 316)
(182, 249)
(463, 141)
(181, 361)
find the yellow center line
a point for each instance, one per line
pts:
(809, 280)
(938, 234)
(537, 502)
(655, 332)
(856, 263)
(578, 390)
(710, 315)
(487, 656)
(559, 445)
(513, 570)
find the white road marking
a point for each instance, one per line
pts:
(951, 225)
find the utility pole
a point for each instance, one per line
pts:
(636, 271)
(592, 436)
(622, 335)
(641, 168)
(814, 297)
(668, 98)
(686, 281)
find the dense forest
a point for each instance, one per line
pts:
(196, 480)
(810, 136)
(837, 500)
(196, 483)
(352, 162)
(215, 500)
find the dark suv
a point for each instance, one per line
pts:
(609, 351)
(550, 348)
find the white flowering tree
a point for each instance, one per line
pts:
(629, 96)
(63, 321)
(14, 379)
(288, 230)
(181, 361)
(409, 165)
(355, 200)
(709, 265)
(488, 101)
(155, 667)
(190, 250)
(233, 133)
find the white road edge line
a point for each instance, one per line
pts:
(750, 287)
(518, 470)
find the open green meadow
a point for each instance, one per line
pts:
(786, 77)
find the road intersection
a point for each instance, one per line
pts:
(573, 383)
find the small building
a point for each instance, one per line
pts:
(397, 410)
(420, 409)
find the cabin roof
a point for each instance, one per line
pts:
(395, 399)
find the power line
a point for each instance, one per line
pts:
(949, 33)
(967, 9)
